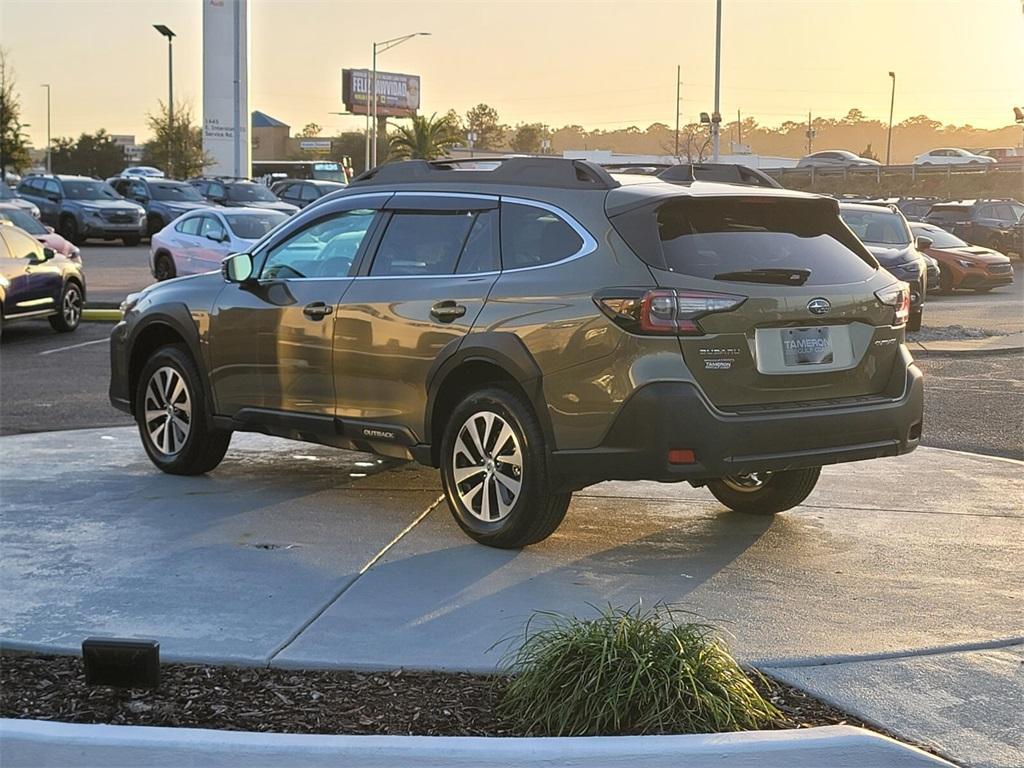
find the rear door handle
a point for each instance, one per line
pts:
(447, 311)
(317, 310)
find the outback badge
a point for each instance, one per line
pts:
(819, 306)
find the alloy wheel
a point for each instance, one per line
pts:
(748, 483)
(71, 306)
(487, 466)
(168, 411)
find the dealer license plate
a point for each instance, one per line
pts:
(806, 346)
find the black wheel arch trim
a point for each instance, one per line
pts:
(177, 317)
(501, 349)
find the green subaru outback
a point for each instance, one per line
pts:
(532, 326)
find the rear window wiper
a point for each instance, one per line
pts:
(774, 276)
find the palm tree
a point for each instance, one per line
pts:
(426, 139)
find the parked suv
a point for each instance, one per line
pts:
(81, 208)
(885, 232)
(533, 329)
(992, 223)
(164, 199)
(235, 193)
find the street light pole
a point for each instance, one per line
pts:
(892, 103)
(164, 30)
(716, 123)
(679, 78)
(382, 47)
(49, 166)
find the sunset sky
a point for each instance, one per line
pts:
(598, 64)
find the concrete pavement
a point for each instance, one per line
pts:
(295, 555)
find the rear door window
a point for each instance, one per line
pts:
(422, 243)
(724, 238)
(189, 226)
(532, 236)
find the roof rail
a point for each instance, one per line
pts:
(532, 171)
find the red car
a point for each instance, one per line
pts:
(19, 218)
(962, 265)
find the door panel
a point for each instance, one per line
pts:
(271, 341)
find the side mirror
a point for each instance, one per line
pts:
(53, 197)
(48, 253)
(924, 243)
(237, 268)
(50, 229)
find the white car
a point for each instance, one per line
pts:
(198, 241)
(952, 156)
(836, 158)
(142, 170)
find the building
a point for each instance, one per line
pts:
(270, 137)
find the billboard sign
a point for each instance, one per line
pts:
(398, 95)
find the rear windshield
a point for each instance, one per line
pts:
(721, 238)
(879, 226)
(949, 214)
(175, 190)
(247, 192)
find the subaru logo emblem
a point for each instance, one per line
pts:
(818, 306)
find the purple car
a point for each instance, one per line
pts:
(198, 241)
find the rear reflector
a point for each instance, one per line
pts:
(681, 456)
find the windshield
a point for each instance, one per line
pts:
(254, 226)
(175, 191)
(90, 190)
(881, 227)
(248, 191)
(940, 238)
(23, 220)
(747, 239)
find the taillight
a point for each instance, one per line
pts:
(663, 311)
(897, 296)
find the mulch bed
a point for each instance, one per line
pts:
(299, 701)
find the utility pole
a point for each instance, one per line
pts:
(716, 118)
(739, 128)
(892, 103)
(384, 46)
(49, 165)
(679, 83)
(810, 133)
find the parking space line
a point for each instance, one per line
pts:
(337, 595)
(73, 346)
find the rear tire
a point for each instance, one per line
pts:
(68, 229)
(69, 310)
(494, 471)
(163, 267)
(765, 493)
(170, 396)
(945, 280)
(914, 321)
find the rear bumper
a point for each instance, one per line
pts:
(675, 415)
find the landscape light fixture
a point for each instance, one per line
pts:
(121, 663)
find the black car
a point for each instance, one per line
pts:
(240, 193)
(992, 223)
(164, 199)
(302, 192)
(36, 282)
(915, 208)
(81, 208)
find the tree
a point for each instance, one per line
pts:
(426, 139)
(528, 136)
(13, 144)
(351, 144)
(867, 153)
(91, 154)
(182, 137)
(483, 121)
(310, 131)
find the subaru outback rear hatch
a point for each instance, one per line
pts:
(773, 299)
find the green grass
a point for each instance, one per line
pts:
(628, 671)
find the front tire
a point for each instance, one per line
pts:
(494, 471)
(170, 409)
(765, 493)
(69, 313)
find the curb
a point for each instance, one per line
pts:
(41, 744)
(101, 315)
(919, 350)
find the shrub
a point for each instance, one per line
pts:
(631, 671)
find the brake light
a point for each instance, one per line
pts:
(897, 296)
(663, 311)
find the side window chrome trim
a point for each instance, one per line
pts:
(589, 243)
